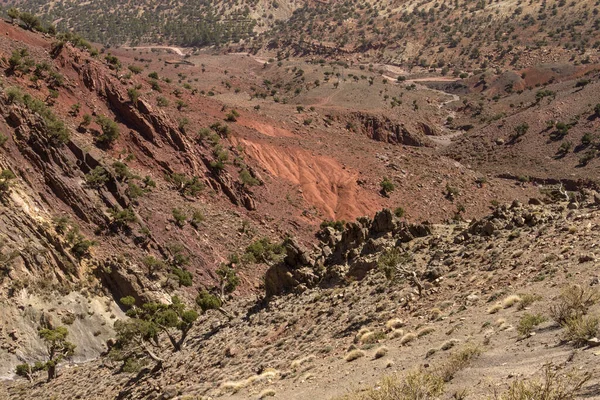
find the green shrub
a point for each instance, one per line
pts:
(6, 176)
(387, 186)
(528, 322)
(110, 131)
(248, 179)
(263, 251)
(207, 301)
(179, 217)
(97, 177)
(183, 276)
(580, 329)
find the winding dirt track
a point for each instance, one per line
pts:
(175, 50)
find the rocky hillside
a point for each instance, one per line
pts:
(475, 306)
(159, 208)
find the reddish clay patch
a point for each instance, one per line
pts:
(324, 182)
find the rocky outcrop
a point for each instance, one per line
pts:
(383, 129)
(123, 278)
(344, 254)
(507, 218)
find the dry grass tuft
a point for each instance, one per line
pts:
(234, 386)
(425, 331)
(409, 337)
(394, 323)
(396, 333)
(297, 363)
(494, 309)
(381, 352)
(267, 393)
(354, 355)
(511, 301)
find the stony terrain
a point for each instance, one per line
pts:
(474, 278)
(387, 220)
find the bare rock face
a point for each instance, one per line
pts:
(383, 129)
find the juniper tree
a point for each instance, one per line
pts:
(58, 349)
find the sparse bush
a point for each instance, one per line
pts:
(197, 218)
(387, 187)
(573, 302)
(417, 385)
(263, 251)
(6, 176)
(96, 178)
(120, 219)
(527, 299)
(184, 277)
(110, 131)
(247, 179)
(399, 212)
(528, 322)
(232, 116)
(581, 328)
(336, 225)
(207, 301)
(553, 386)
(179, 217)
(458, 361)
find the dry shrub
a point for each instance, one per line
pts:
(417, 385)
(267, 393)
(381, 352)
(457, 361)
(494, 309)
(573, 302)
(553, 386)
(394, 323)
(297, 363)
(579, 329)
(425, 331)
(396, 333)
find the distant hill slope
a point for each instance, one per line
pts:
(450, 35)
(190, 23)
